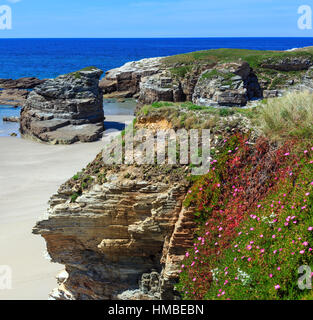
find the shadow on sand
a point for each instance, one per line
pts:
(113, 125)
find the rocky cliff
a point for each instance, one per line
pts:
(66, 109)
(224, 77)
(122, 231)
(123, 238)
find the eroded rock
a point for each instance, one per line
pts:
(288, 64)
(127, 78)
(232, 84)
(66, 109)
(13, 97)
(160, 87)
(11, 119)
(22, 83)
(122, 231)
(118, 239)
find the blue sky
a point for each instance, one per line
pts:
(162, 18)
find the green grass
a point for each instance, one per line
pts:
(77, 176)
(169, 107)
(89, 68)
(254, 57)
(210, 74)
(181, 72)
(77, 74)
(288, 116)
(161, 104)
(279, 118)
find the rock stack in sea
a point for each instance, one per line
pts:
(66, 109)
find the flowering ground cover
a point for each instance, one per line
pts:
(255, 215)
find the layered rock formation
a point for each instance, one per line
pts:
(13, 97)
(288, 64)
(123, 238)
(214, 79)
(160, 87)
(13, 91)
(149, 80)
(22, 83)
(126, 80)
(229, 84)
(232, 84)
(65, 110)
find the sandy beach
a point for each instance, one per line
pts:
(30, 173)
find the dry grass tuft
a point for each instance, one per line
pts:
(288, 116)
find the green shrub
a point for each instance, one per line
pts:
(74, 197)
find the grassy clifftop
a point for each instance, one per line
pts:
(254, 57)
(273, 68)
(279, 119)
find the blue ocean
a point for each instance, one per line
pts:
(48, 58)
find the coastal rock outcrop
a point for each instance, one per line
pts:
(13, 97)
(151, 80)
(160, 87)
(22, 83)
(288, 64)
(127, 78)
(221, 78)
(11, 119)
(231, 84)
(66, 109)
(15, 92)
(124, 237)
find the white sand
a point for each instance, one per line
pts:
(30, 173)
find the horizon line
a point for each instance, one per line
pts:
(135, 38)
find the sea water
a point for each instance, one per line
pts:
(48, 58)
